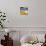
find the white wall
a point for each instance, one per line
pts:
(38, 13)
(36, 17)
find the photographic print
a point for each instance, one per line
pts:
(24, 0)
(23, 10)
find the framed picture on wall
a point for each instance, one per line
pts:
(23, 10)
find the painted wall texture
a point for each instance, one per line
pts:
(35, 18)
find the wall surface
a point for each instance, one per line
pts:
(35, 18)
